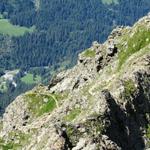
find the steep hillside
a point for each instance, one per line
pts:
(39, 34)
(101, 103)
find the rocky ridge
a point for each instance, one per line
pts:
(103, 103)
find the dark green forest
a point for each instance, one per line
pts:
(63, 28)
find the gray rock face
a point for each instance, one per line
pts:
(102, 103)
(16, 115)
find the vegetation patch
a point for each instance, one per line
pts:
(129, 88)
(21, 138)
(72, 115)
(139, 40)
(148, 132)
(39, 104)
(89, 53)
(7, 28)
(93, 127)
(108, 2)
(31, 79)
(148, 135)
(9, 145)
(74, 134)
(101, 86)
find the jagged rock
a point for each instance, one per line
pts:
(116, 32)
(102, 103)
(81, 144)
(111, 47)
(55, 80)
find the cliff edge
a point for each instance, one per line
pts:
(102, 103)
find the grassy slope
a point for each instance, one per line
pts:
(89, 53)
(134, 43)
(37, 105)
(41, 102)
(7, 28)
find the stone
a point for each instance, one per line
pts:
(98, 106)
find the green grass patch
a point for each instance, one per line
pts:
(72, 115)
(148, 132)
(40, 104)
(30, 79)
(108, 2)
(22, 139)
(139, 40)
(19, 136)
(89, 53)
(9, 146)
(7, 28)
(61, 96)
(47, 107)
(129, 88)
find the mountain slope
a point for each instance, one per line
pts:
(51, 33)
(101, 103)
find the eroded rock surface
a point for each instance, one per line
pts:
(103, 103)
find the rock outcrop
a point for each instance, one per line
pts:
(103, 103)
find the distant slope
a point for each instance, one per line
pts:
(63, 29)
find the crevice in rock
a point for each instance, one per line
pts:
(76, 85)
(125, 125)
(54, 81)
(61, 130)
(68, 145)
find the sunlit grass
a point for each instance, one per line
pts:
(7, 28)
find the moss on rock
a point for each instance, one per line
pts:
(72, 115)
(17, 140)
(89, 53)
(148, 136)
(129, 88)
